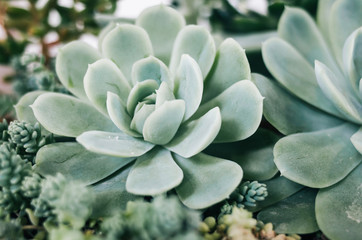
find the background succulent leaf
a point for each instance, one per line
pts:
(72, 63)
(344, 221)
(118, 114)
(344, 99)
(118, 46)
(344, 18)
(101, 77)
(68, 116)
(356, 140)
(198, 189)
(299, 29)
(281, 59)
(162, 124)
(229, 67)
(278, 188)
(254, 155)
(154, 173)
(111, 194)
(291, 115)
(197, 42)
(189, 84)
(295, 214)
(76, 163)
(317, 159)
(151, 68)
(194, 136)
(22, 108)
(323, 13)
(241, 116)
(114, 144)
(162, 25)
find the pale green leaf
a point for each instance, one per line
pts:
(154, 173)
(344, 17)
(111, 194)
(207, 180)
(114, 144)
(241, 107)
(288, 113)
(189, 85)
(119, 115)
(68, 116)
(230, 66)
(197, 42)
(254, 155)
(139, 92)
(162, 25)
(323, 12)
(278, 188)
(295, 214)
(162, 124)
(101, 77)
(151, 68)
(196, 135)
(23, 109)
(281, 60)
(356, 140)
(163, 94)
(317, 159)
(138, 120)
(352, 58)
(76, 163)
(339, 208)
(344, 100)
(72, 63)
(125, 45)
(110, 26)
(299, 29)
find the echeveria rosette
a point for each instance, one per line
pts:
(159, 93)
(317, 102)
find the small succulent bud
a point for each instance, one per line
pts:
(31, 186)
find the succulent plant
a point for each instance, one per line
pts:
(130, 106)
(320, 110)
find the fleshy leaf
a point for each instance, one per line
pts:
(339, 208)
(295, 214)
(68, 116)
(22, 108)
(119, 115)
(281, 59)
(196, 135)
(101, 77)
(162, 124)
(114, 144)
(162, 25)
(356, 140)
(125, 45)
(111, 194)
(344, 17)
(103, 33)
(352, 58)
(317, 159)
(140, 117)
(299, 29)
(189, 85)
(344, 100)
(154, 173)
(207, 180)
(140, 91)
(72, 63)
(288, 113)
(151, 68)
(254, 155)
(323, 13)
(197, 42)
(164, 94)
(278, 188)
(241, 107)
(230, 66)
(76, 163)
